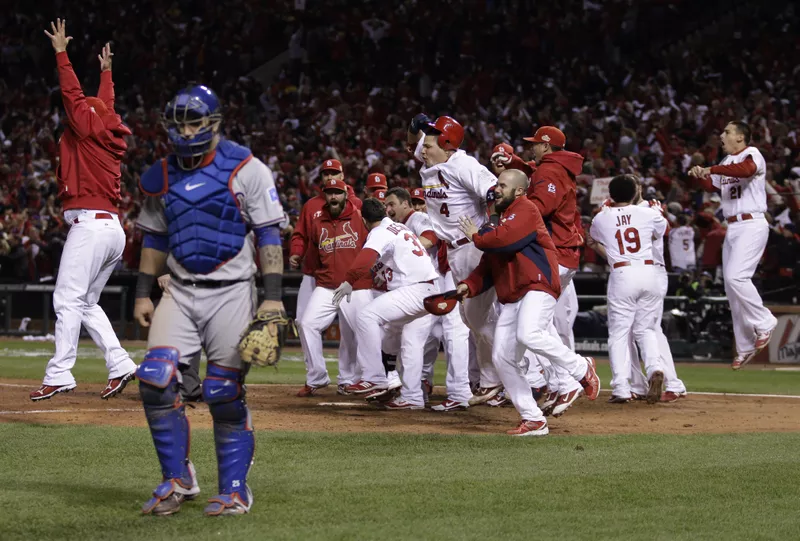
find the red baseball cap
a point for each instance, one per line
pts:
(376, 180)
(418, 193)
(334, 184)
(548, 134)
(380, 195)
(332, 165)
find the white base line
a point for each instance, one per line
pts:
(751, 395)
(10, 412)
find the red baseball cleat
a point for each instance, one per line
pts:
(590, 382)
(565, 401)
(116, 385)
(530, 428)
(669, 396)
(48, 391)
(363, 387)
(309, 390)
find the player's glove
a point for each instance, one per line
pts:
(262, 342)
(418, 122)
(344, 290)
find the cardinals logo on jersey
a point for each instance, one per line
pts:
(347, 240)
(442, 181)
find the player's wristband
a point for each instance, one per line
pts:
(273, 286)
(144, 285)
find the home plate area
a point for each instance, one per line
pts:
(275, 407)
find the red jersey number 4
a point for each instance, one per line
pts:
(444, 210)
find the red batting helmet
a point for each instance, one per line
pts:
(451, 133)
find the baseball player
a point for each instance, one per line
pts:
(454, 334)
(410, 277)
(337, 234)
(674, 387)
(552, 189)
(456, 184)
(627, 233)
(682, 252)
(418, 200)
(741, 181)
(302, 249)
(376, 182)
(90, 152)
(520, 260)
(210, 205)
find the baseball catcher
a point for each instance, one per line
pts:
(206, 204)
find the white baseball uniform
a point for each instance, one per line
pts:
(94, 246)
(639, 382)
(410, 277)
(460, 187)
(682, 250)
(449, 329)
(744, 202)
(634, 302)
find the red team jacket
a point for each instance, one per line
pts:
(334, 243)
(519, 256)
(552, 189)
(91, 148)
(299, 244)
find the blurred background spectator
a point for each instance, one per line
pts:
(637, 87)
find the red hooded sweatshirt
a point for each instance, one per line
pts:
(91, 148)
(552, 189)
(299, 244)
(333, 245)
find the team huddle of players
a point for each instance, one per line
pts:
(507, 242)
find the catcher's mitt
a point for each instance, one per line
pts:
(264, 338)
(441, 303)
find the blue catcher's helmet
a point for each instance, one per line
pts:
(192, 120)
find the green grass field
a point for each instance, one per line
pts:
(88, 482)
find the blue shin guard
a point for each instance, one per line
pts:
(158, 377)
(233, 435)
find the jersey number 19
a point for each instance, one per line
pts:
(631, 238)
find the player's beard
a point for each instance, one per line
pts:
(502, 204)
(335, 208)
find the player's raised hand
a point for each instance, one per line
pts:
(105, 58)
(467, 227)
(143, 311)
(59, 38)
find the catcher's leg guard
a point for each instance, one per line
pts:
(158, 387)
(233, 435)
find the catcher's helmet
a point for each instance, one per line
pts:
(198, 106)
(451, 133)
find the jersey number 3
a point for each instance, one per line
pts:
(631, 238)
(419, 251)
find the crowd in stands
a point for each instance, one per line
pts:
(637, 87)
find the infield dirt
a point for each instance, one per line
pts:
(275, 407)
